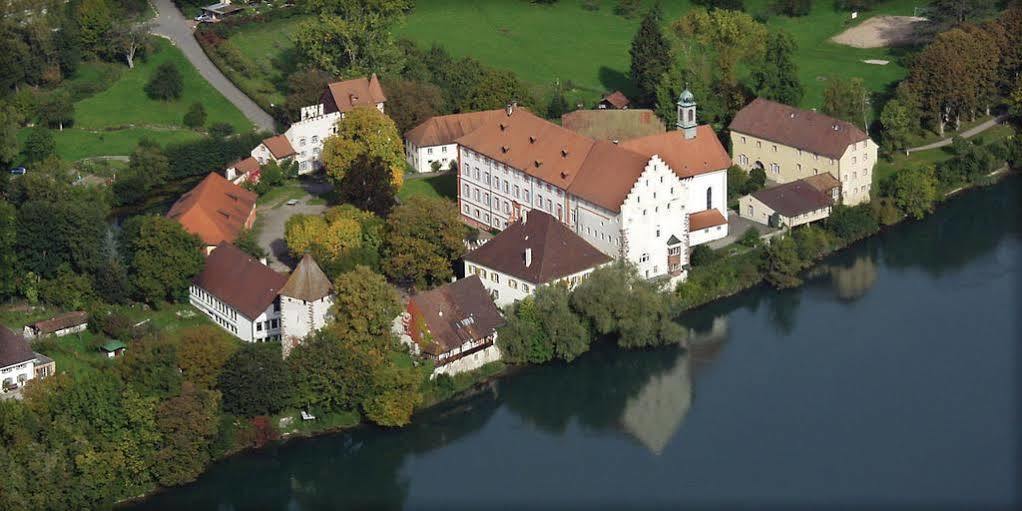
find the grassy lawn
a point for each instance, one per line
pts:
(126, 103)
(444, 185)
(276, 197)
(885, 168)
(563, 42)
(112, 111)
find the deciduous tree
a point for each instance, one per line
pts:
(776, 76)
(364, 303)
(915, 190)
(162, 258)
(166, 83)
(365, 131)
(409, 103)
(203, 352)
(734, 36)
(347, 46)
(846, 99)
(188, 424)
(39, 145)
(781, 263)
(368, 185)
(424, 238)
(254, 381)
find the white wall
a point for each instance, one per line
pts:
(421, 158)
(707, 235)
(509, 289)
(17, 373)
(653, 211)
(236, 323)
(307, 137)
(300, 318)
(470, 362)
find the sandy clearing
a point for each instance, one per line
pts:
(881, 32)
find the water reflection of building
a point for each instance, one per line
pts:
(853, 282)
(655, 413)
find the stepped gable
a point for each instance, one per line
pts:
(687, 157)
(307, 281)
(239, 280)
(445, 129)
(346, 95)
(794, 127)
(215, 210)
(556, 251)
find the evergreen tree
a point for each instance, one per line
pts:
(651, 56)
(776, 76)
(196, 116)
(166, 83)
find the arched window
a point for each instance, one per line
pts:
(691, 115)
(709, 198)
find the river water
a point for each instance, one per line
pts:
(890, 379)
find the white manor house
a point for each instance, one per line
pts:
(647, 200)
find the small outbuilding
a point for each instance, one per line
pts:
(614, 101)
(113, 349)
(786, 205)
(221, 10)
(58, 326)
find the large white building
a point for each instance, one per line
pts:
(18, 363)
(433, 142)
(533, 251)
(319, 121)
(257, 304)
(646, 200)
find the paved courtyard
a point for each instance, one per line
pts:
(272, 218)
(736, 227)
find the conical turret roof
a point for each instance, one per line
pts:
(307, 282)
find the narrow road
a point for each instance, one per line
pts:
(170, 23)
(969, 133)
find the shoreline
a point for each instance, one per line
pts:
(487, 384)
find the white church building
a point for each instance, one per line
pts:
(646, 200)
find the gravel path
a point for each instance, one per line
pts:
(170, 23)
(969, 133)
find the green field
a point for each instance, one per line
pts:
(444, 185)
(547, 44)
(110, 121)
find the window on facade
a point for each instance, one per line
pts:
(854, 160)
(466, 209)
(525, 196)
(486, 179)
(475, 193)
(743, 140)
(775, 148)
(775, 168)
(798, 166)
(301, 142)
(644, 257)
(512, 283)
(549, 205)
(466, 189)
(486, 199)
(443, 149)
(517, 192)
(560, 214)
(506, 186)
(709, 198)
(507, 207)
(259, 326)
(759, 144)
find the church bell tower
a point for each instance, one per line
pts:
(687, 114)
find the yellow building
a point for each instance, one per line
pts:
(790, 143)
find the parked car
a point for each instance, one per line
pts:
(204, 18)
(292, 202)
(18, 171)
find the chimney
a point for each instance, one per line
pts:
(615, 141)
(528, 257)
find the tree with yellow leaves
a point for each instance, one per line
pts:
(364, 131)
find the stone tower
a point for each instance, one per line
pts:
(687, 114)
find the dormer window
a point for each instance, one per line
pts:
(564, 153)
(532, 139)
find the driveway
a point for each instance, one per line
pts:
(736, 227)
(170, 23)
(273, 217)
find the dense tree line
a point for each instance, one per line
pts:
(614, 302)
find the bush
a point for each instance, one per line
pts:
(196, 116)
(791, 8)
(750, 238)
(221, 130)
(166, 83)
(702, 255)
(627, 8)
(591, 5)
(852, 223)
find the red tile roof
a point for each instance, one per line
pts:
(14, 348)
(279, 146)
(705, 219)
(616, 99)
(346, 95)
(687, 157)
(455, 314)
(597, 171)
(60, 322)
(239, 280)
(445, 129)
(556, 250)
(215, 210)
(794, 198)
(794, 127)
(245, 166)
